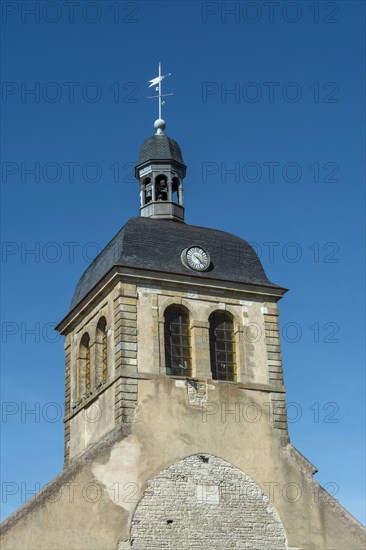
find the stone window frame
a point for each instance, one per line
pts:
(236, 312)
(187, 314)
(84, 375)
(168, 302)
(229, 317)
(101, 355)
(201, 367)
(90, 327)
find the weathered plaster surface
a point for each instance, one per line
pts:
(152, 428)
(110, 478)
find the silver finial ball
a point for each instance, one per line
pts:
(159, 124)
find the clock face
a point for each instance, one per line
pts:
(196, 258)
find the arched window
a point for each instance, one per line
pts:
(175, 190)
(84, 366)
(147, 187)
(177, 345)
(161, 188)
(101, 355)
(222, 348)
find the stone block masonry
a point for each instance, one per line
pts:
(201, 502)
(125, 315)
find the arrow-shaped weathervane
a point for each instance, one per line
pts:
(157, 82)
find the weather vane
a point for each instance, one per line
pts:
(159, 124)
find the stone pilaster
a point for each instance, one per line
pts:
(278, 415)
(67, 398)
(125, 314)
(273, 345)
(200, 349)
(275, 373)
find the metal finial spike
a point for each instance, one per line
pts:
(159, 124)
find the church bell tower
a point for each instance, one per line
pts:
(175, 412)
(160, 171)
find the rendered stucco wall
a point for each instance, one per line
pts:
(92, 504)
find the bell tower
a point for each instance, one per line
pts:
(175, 411)
(160, 169)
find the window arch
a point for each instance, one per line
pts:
(177, 341)
(84, 366)
(222, 346)
(161, 187)
(175, 190)
(102, 354)
(147, 190)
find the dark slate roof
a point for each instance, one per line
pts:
(158, 244)
(160, 147)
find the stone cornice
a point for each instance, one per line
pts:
(137, 275)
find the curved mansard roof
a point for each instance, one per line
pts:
(158, 244)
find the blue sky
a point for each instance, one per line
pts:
(268, 110)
